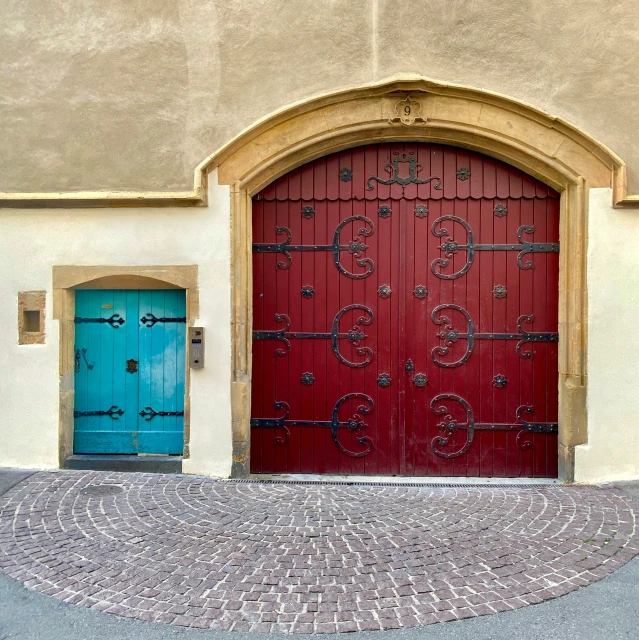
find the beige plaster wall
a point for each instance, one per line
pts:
(33, 241)
(133, 95)
(612, 451)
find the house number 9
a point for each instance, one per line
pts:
(407, 110)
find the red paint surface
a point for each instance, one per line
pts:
(401, 424)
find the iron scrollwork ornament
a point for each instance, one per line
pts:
(355, 336)
(355, 247)
(115, 320)
(450, 247)
(449, 336)
(354, 424)
(393, 168)
(114, 413)
(449, 425)
(383, 380)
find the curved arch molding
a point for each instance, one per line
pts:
(544, 146)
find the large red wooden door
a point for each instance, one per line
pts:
(405, 303)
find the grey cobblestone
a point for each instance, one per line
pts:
(192, 551)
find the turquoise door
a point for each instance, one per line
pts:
(129, 371)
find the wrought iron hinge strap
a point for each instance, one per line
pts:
(354, 247)
(449, 335)
(148, 413)
(451, 247)
(115, 320)
(354, 336)
(148, 320)
(114, 413)
(450, 426)
(354, 423)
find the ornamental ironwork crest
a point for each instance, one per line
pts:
(393, 167)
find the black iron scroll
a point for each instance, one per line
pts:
(354, 247)
(449, 335)
(354, 423)
(450, 426)
(450, 247)
(354, 336)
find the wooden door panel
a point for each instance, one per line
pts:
(467, 420)
(129, 374)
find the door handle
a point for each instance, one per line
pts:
(83, 353)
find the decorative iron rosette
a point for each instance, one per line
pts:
(384, 211)
(420, 291)
(384, 380)
(501, 210)
(345, 175)
(307, 291)
(308, 212)
(499, 291)
(421, 211)
(463, 173)
(307, 378)
(420, 380)
(384, 291)
(500, 381)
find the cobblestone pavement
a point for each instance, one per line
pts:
(194, 552)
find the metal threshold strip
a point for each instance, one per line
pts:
(395, 481)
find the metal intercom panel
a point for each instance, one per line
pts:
(196, 347)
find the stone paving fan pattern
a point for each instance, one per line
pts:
(196, 552)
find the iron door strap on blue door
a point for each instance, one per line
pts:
(129, 398)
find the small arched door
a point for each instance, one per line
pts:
(405, 316)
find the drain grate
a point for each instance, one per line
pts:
(372, 483)
(101, 490)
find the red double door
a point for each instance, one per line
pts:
(405, 313)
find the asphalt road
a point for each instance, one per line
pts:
(606, 610)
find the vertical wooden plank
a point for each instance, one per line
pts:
(120, 374)
(180, 363)
(169, 401)
(105, 299)
(132, 351)
(146, 358)
(83, 375)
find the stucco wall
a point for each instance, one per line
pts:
(33, 241)
(612, 452)
(133, 95)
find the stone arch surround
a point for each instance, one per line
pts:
(545, 147)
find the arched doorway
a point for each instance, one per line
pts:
(405, 316)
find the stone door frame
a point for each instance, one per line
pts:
(545, 147)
